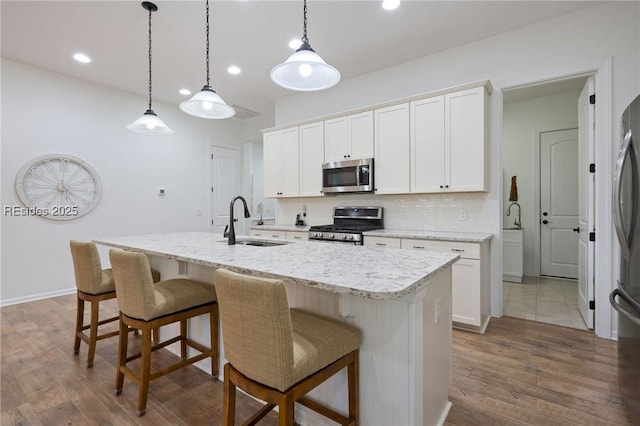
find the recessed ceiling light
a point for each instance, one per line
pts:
(295, 43)
(234, 70)
(185, 92)
(390, 4)
(81, 57)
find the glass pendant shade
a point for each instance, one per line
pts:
(207, 104)
(305, 71)
(150, 124)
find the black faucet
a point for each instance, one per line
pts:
(232, 231)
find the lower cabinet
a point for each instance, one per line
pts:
(470, 280)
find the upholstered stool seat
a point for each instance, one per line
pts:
(94, 285)
(146, 306)
(278, 354)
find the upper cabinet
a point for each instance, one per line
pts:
(449, 142)
(311, 158)
(391, 163)
(466, 139)
(282, 164)
(349, 137)
(430, 143)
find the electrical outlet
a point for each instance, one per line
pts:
(160, 192)
(464, 216)
(436, 318)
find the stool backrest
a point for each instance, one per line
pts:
(256, 327)
(134, 283)
(86, 266)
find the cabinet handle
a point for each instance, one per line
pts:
(458, 250)
(257, 235)
(381, 244)
(297, 238)
(441, 186)
(276, 236)
(446, 186)
(418, 247)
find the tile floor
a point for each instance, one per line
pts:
(550, 300)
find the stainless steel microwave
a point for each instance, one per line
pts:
(348, 176)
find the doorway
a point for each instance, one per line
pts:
(539, 130)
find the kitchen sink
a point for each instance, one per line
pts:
(257, 243)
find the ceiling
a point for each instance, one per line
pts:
(357, 37)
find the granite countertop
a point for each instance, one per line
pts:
(467, 237)
(370, 272)
(281, 228)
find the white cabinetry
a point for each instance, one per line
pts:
(311, 149)
(512, 255)
(281, 163)
(349, 137)
(449, 142)
(466, 140)
(391, 165)
(470, 281)
(427, 145)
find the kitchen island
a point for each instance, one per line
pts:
(401, 300)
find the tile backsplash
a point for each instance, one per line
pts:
(470, 212)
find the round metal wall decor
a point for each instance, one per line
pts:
(57, 187)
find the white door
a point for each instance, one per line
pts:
(224, 186)
(586, 197)
(559, 203)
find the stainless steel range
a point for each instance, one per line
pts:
(348, 225)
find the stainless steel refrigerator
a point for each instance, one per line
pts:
(626, 298)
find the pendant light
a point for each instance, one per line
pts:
(207, 103)
(149, 122)
(305, 70)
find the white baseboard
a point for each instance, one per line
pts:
(39, 296)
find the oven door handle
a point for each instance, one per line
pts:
(629, 315)
(358, 183)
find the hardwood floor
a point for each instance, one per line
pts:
(519, 373)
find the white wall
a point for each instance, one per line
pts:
(522, 121)
(590, 39)
(44, 112)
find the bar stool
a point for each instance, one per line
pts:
(278, 354)
(94, 285)
(145, 306)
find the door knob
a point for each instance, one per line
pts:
(544, 213)
(544, 222)
(576, 229)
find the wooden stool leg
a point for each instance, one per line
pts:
(286, 406)
(156, 334)
(79, 325)
(123, 342)
(93, 331)
(145, 370)
(183, 338)
(354, 389)
(229, 402)
(215, 350)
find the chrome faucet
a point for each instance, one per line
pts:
(232, 231)
(516, 222)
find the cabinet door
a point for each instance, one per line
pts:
(361, 135)
(311, 158)
(392, 150)
(465, 292)
(465, 118)
(272, 146)
(336, 144)
(290, 163)
(427, 145)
